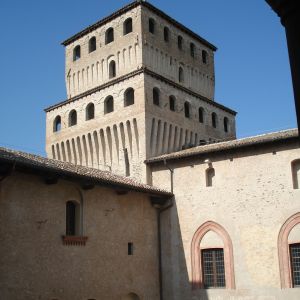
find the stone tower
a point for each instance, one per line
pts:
(139, 84)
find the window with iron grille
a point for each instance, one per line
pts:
(295, 264)
(213, 268)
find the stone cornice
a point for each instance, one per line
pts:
(128, 8)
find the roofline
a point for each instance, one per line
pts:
(42, 168)
(275, 137)
(132, 74)
(128, 7)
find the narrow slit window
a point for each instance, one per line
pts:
(112, 69)
(180, 42)
(172, 101)
(201, 115)
(151, 26)
(214, 120)
(187, 110)
(166, 34)
(130, 248)
(76, 53)
(296, 173)
(210, 174)
(180, 75)
(57, 124)
(156, 96)
(226, 124)
(204, 56)
(72, 218)
(90, 111)
(92, 44)
(73, 118)
(192, 50)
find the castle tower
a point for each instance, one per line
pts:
(139, 84)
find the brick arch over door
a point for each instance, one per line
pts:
(197, 274)
(283, 251)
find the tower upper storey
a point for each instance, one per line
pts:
(138, 35)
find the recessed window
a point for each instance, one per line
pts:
(92, 44)
(57, 124)
(187, 108)
(226, 124)
(151, 26)
(166, 34)
(156, 96)
(295, 264)
(112, 69)
(213, 268)
(108, 105)
(214, 120)
(296, 173)
(180, 42)
(204, 56)
(109, 35)
(76, 53)
(201, 115)
(210, 174)
(129, 97)
(72, 218)
(180, 74)
(172, 101)
(192, 49)
(72, 118)
(127, 26)
(90, 111)
(130, 249)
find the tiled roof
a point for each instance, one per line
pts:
(129, 7)
(64, 170)
(228, 145)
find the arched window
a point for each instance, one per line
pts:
(212, 258)
(156, 96)
(92, 44)
(151, 26)
(112, 69)
(192, 49)
(127, 26)
(204, 56)
(180, 74)
(129, 97)
(289, 252)
(90, 112)
(180, 42)
(214, 120)
(201, 115)
(57, 124)
(187, 108)
(209, 176)
(72, 218)
(166, 34)
(73, 118)
(108, 105)
(76, 53)
(172, 102)
(109, 35)
(226, 123)
(296, 173)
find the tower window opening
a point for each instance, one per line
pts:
(108, 105)
(210, 174)
(129, 97)
(192, 50)
(76, 53)
(172, 101)
(187, 109)
(156, 96)
(214, 120)
(57, 124)
(72, 218)
(180, 75)
(180, 42)
(112, 69)
(127, 26)
(296, 173)
(92, 44)
(151, 26)
(204, 56)
(90, 111)
(72, 118)
(166, 34)
(201, 115)
(213, 268)
(130, 248)
(226, 124)
(109, 35)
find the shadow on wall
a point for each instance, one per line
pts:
(177, 285)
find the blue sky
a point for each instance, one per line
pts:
(252, 67)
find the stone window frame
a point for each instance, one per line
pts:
(284, 258)
(196, 260)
